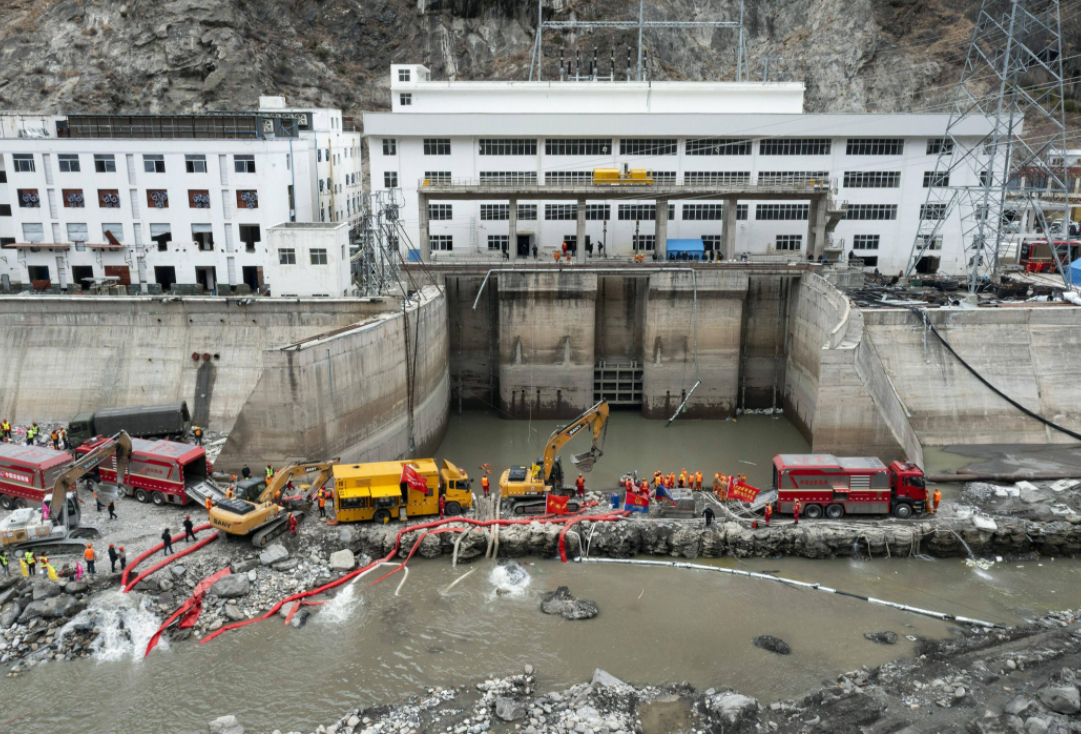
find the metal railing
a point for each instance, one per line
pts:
(795, 185)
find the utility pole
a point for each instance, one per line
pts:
(641, 20)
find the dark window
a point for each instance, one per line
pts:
(865, 241)
(932, 211)
(577, 146)
(648, 146)
(23, 162)
(195, 163)
(871, 211)
(789, 242)
(390, 146)
(494, 212)
(390, 179)
(875, 146)
(154, 164)
(794, 146)
(249, 235)
(790, 178)
(403, 75)
(68, 163)
(287, 256)
(527, 212)
(718, 146)
(507, 178)
(508, 146)
(406, 100)
(781, 211)
(935, 179)
(703, 211)
(442, 242)
(716, 178)
(5, 210)
(939, 145)
(161, 234)
(872, 179)
(104, 163)
(440, 212)
(244, 163)
(436, 146)
(318, 256)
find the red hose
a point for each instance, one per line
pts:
(163, 563)
(574, 521)
(414, 550)
(146, 554)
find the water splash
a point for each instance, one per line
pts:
(126, 625)
(509, 579)
(341, 607)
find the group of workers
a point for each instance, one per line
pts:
(57, 437)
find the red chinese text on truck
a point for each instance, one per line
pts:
(28, 473)
(162, 472)
(833, 486)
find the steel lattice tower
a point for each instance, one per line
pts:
(1012, 78)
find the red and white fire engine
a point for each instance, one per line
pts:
(28, 473)
(838, 485)
(162, 472)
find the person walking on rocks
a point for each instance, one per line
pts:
(322, 504)
(54, 436)
(709, 515)
(123, 558)
(97, 501)
(167, 542)
(4, 562)
(112, 510)
(209, 505)
(292, 523)
(5, 427)
(198, 433)
(796, 507)
(64, 438)
(935, 499)
(768, 513)
(89, 556)
(113, 558)
(28, 561)
(580, 483)
(189, 528)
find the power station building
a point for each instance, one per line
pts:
(717, 140)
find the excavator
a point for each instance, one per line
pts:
(525, 488)
(61, 532)
(253, 513)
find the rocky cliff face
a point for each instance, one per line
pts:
(193, 55)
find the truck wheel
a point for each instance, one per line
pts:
(141, 495)
(902, 511)
(158, 499)
(835, 512)
(453, 508)
(18, 503)
(5, 501)
(812, 512)
(380, 517)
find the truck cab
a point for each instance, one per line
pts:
(909, 489)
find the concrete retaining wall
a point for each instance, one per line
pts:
(1030, 353)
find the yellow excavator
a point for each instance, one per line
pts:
(525, 488)
(253, 511)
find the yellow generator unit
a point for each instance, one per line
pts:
(622, 177)
(374, 492)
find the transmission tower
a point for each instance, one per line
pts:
(1012, 77)
(376, 265)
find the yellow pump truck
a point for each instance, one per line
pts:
(375, 491)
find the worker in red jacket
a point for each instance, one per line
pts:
(292, 523)
(796, 507)
(484, 484)
(442, 506)
(580, 483)
(768, 513)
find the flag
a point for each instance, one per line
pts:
(743, 492)
(556, 504)
(26, 570)
(662, 494)
(413, 479)
(634, 502)
(52, 572)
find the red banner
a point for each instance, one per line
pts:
(415, 481)
(742, 492)
(556, 505)
(634, 499)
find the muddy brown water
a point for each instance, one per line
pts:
(655, 626)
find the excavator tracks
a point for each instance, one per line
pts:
(262, 537)
(533, 506)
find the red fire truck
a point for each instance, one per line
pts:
(833, 486)
(162, 472)
(28, 473)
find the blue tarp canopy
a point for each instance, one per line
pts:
(1075, 272)
(692, 249)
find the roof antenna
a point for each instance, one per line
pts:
(628, 62)
(561, 62)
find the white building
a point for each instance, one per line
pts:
(168, 199)
(308, 259)
(736, 134)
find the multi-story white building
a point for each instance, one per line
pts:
(168, 199)
(728, 134)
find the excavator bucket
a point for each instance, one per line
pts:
(584, 461)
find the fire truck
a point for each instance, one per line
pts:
(838, 485)
(162, 472)
(28, 473)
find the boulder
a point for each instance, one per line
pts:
(300, 619)
(148, 585)
(343, 560)
(346, 536)
(231, 587)
(9, 617)
(287, 565)
(562, 603)
(1017, 705)
(882, 638)
(226, 725)
(56, 607)
(733, 710)
(177, 571)
(246, 565)
(773, 644)
(1036, 725)
(46, 591)
(273, 554)
(165, 585)
(76, 587)
(8, 594)
(1061, 699)
(233, 613)
(509, 709)
(605, 679)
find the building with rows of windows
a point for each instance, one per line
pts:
(700, 133)
(167, 200)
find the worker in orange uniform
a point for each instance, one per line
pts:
(671, 480)
(644, 490)
(322, 504)
(485, 484)
(89, 557)
(292, 523)
(698, 480)
(717, 484)
(768, 513)
(935, 499)
(209, 505)
(580, 483)
(796, 507)
(556, 255)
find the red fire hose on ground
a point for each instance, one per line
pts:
(169, 559)
(154, 549)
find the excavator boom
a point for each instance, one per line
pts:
(596, 418)
(120, 445)
(322, 470)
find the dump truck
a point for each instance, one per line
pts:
(375, 491)
(525, 489)
(168, 420)
(162, 472)
(836, 486)
(623, 176)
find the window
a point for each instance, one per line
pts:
(872, 179)
(645, 242)
(934, 244)
(320, 185)
(935, 179)
(5, 210)
(157, 198)
(195, 163)
(319, 256)
(938, 146)
(713, 242)
(718, 146)
(741, 211)
(244, 163)
(865, 242)
(439, 178)
(871, 211)
(104, 163)
(647, 146)
(598, 212)
(23, 162)
(249, 235)
(29, 199)
(34, 233)
(390, 146)
(154, 163)
(440, 212)
(203, 236)
(390, 180)
(3, 176)
(319, 155)
(781, 211)
(436, 146)
(985, 178)
(68, 163)
(73, 198)
(494, 212)
(875, 146)
(109, 198)
(499, 242)
(556, 212)
(405, 99)
(794, 146)
(932, 211)
(111, 232)
(790, 178)
(78, 234)
(247, 199)
(287, 256)
(507, 178)
(198, 199)
(716, 178)
(569, 178)
(664, 178)
(442, 242)
(789, 242)
(642, 212)
(162, 234)
(508, 146)
(527, 212)
(703, 211)
(578, 146)
(403, 75)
